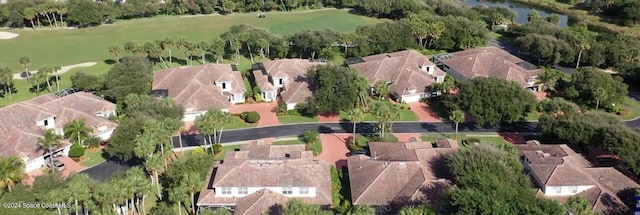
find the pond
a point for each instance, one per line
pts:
(520, 9)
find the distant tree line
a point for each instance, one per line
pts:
(625, 12)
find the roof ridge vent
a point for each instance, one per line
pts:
(546, 155)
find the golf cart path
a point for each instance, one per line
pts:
(62, 70)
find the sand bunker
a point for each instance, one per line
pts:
(62, 70)
(7, 35)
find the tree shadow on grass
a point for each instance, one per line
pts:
(110, 61)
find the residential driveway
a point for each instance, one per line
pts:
(424, 112)
(328, 118)
(70, 166)
(334, 149)
(102, 172)
(541, 95)
(267, 112)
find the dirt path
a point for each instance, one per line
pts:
(62, 70)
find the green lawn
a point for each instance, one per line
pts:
(287, 142)
(316, 148)
(237, 123)
(295, 117)
(224, 151)
(405, 115)
(66, 47)
(489, 138)
(93, 158)
(534, 115)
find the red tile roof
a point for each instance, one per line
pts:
(19, 133)
(194, 86)
(296, 88)
(269, 166)
(491, 62)
(403, 69)
(397, 172)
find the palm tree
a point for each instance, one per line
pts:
(355, 115)
(80, 188)
(49, 140)
(548, 78)
(178, 194)
(262, 43)
(192, 183)
(166, 44)
(41, 76)
(25, 62)
(105, 196)
(154, 165)
(57, 68)
(600, 94)
(10, 171)
(457, 116)
(78, 130)
(137, 177)
(58, 195)
(310, 136)
(6, 79)
(30, 14)
(115, 51)
(382, 89)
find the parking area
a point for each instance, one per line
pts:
(70, 167)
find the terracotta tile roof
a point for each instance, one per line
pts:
(296, 88)
(260, 202)
(269, 168)
(491, 62)
(402, 69)
(194, 86)
(19, 133)
(397, 173)
(575, 170)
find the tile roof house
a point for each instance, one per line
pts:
(200, 88)
(288, 77)
(560, 173)
(409, 73)
(261, 177)
(23, 123)
(491, 62)
(399, 173)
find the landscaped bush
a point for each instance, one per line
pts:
(282, 108)
(217, 148)
(76, 151)
(470, 141)
(354, 145)
(310, 137)
(252, 117)
(624, 112)
(199, 151)
(258, 97)
(403, 106)
(243, 115)
(92, 142)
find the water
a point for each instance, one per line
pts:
(521, 10)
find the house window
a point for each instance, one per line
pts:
(280, 81)
(225, 190)
(224, 86)
(558, 190)
(46, 122)
(287, 190)
(243, 190)
(304, 190)
(574, 189)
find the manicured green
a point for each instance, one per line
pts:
(534, 115)
(631, 102)
(237, 123)
(66, 47)
(94, 157)
(490, 138)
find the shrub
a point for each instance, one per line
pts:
(92, 142)
(252, 117)
(310, 137)
(354, 145)
(76, 151)
(258, 97)
(217, 148)
(199, 151)
(403, 106)
(624, 112)
(471, 141)
(243, 115)
(282, 107)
